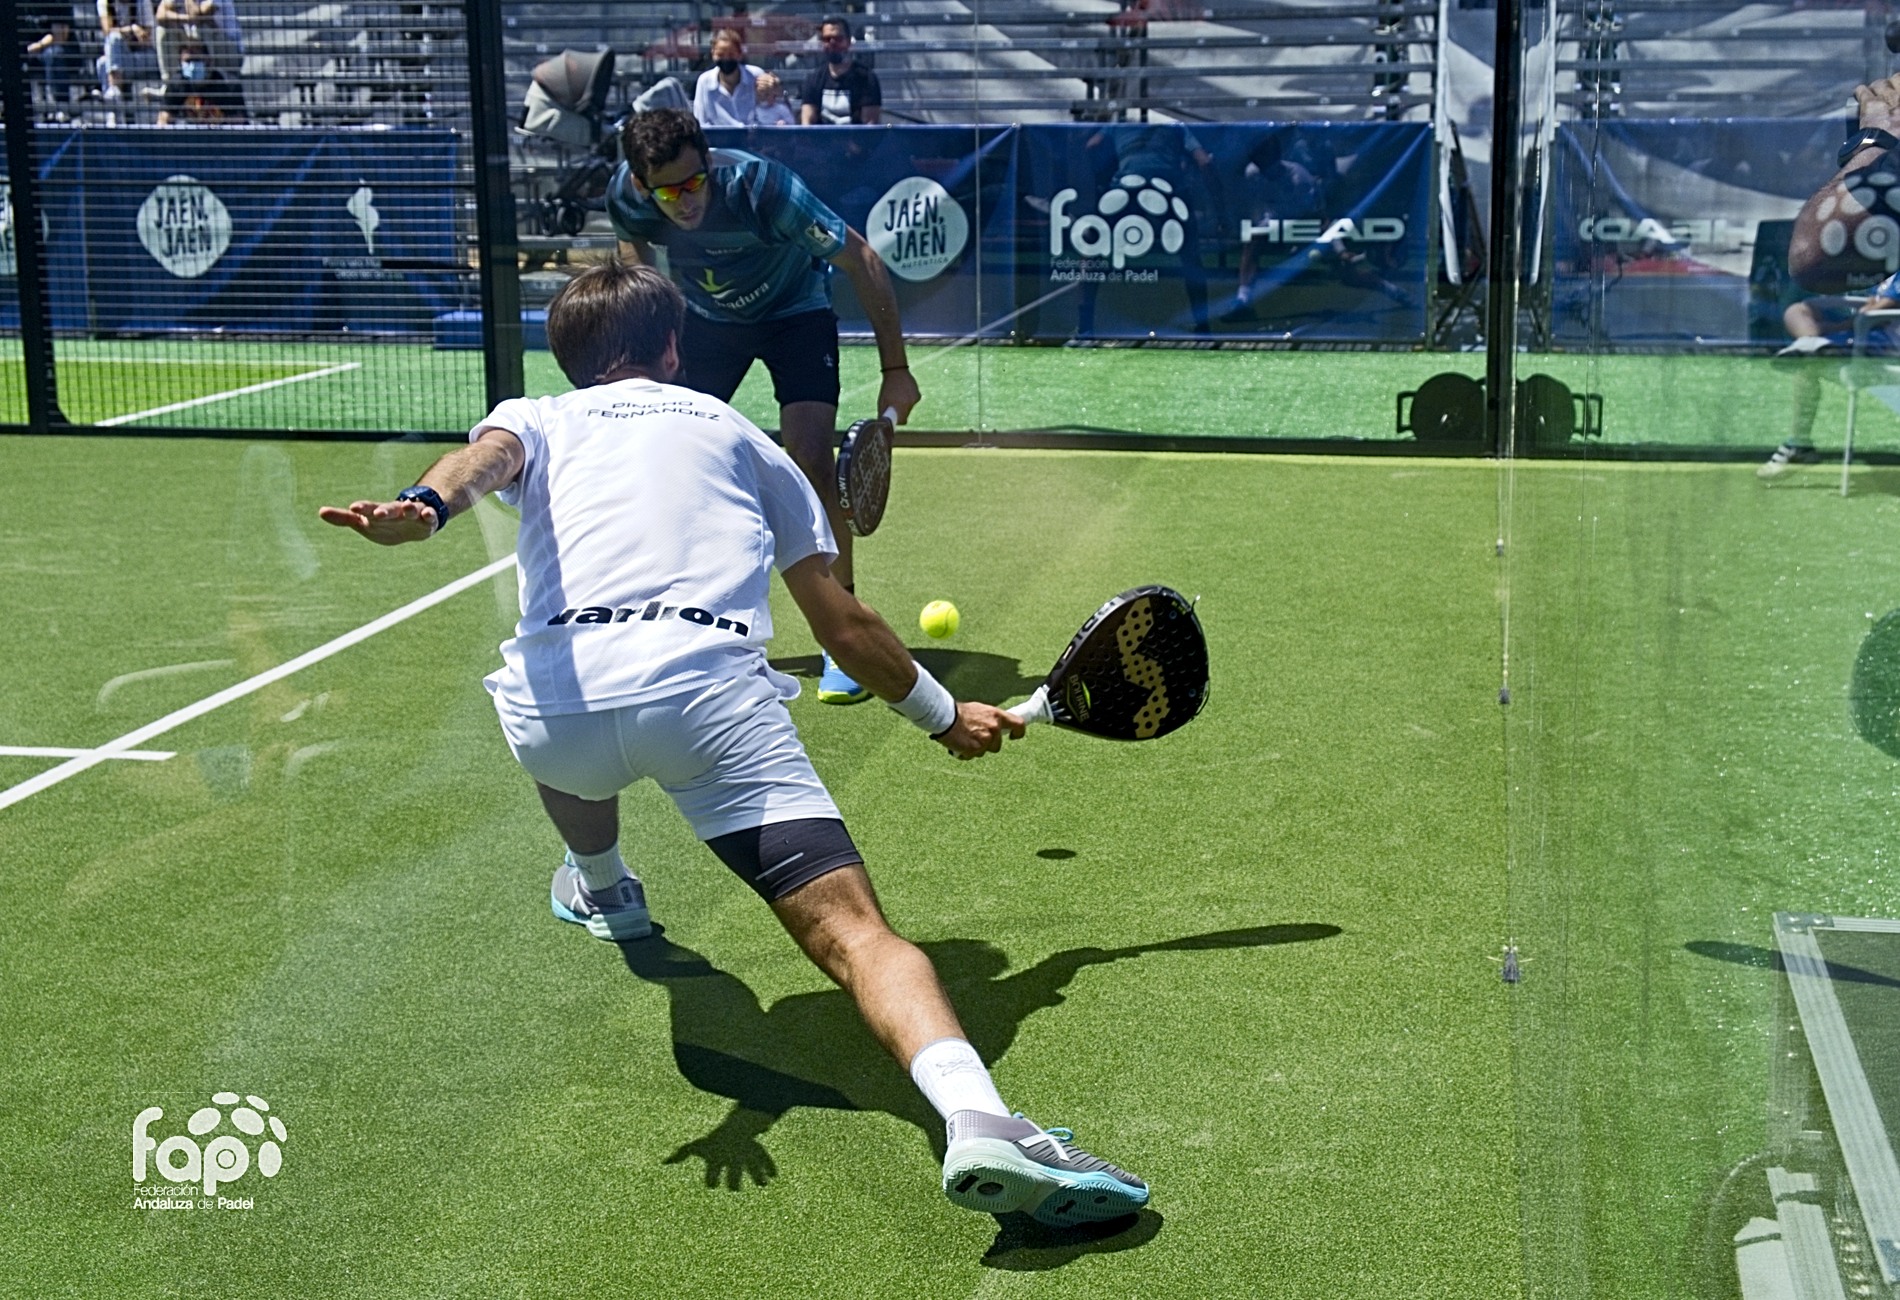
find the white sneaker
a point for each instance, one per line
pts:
(1786, 457)
(613, 914)
(996, 1165)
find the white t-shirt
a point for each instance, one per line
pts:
(651, 519)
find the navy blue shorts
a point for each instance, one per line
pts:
(774, 860)
(801, 352)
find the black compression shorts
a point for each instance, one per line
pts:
(777, 859)
(801, 352)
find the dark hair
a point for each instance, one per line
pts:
(613, 315)
(650, 141)
(833, 20)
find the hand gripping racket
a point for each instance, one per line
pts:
(1136, 670)
(864, 472)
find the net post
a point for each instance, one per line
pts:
(36, 319)
(498, 255)
(1500, 327)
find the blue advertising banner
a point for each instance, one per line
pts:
(1303, 231)
(153, 229)
(936, 203)
(1676, 231)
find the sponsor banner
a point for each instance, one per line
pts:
(1289, 231)
(936, 203)
(156, 229)
(1677, 230)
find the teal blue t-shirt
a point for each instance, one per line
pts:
(760, 253)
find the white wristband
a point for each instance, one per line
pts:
(929, 705)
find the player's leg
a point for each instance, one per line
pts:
(714, 357)
(995, 1162)
(802, 356)
(1810, 323)
(579, 767)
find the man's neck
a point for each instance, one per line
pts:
(838, 70)
(738, 75)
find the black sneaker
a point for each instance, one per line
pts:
(996, 1165)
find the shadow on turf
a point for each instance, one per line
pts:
(1742, 954)
(968, 674)
(1024, 1246)
(811, 1049)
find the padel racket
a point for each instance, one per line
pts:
(864, 472)
(1136, 670)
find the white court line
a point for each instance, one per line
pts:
(56, 751)
(235, 392)
(133, 739)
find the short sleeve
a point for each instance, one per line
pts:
(792, 213)
(520, 416)
(873, 93)
(793, 514)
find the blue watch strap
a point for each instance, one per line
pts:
(429, 497)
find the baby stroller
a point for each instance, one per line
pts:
(566, 103)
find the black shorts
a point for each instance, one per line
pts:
(801, 352)
(777, 859)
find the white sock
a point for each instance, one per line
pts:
(599, 871)
(952, 1076)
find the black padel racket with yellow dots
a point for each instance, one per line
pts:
(1136, 670)
(864, 473)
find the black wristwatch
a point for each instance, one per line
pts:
(429, 497)
(1868, 137)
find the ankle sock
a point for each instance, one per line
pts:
(953, 1078)
(599, 871)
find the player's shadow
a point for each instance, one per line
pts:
(967, 674)
(811, 1049)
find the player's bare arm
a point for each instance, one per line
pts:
(636, 252)
(864, 645)
(1809, 260)
(460, 478)
(866, 271)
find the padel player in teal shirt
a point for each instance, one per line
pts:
(753, 248)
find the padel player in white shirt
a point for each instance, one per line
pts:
(651, 519)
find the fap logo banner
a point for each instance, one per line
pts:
(1257, 230)
(929, 200)
(251, 230)
(214, 1159)
(1677, 230)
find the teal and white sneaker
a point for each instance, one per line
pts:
(619, 913)
(836, 687)
(996, 1165)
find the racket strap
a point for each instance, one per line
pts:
(1035, 708)
(929, 704)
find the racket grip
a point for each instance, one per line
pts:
(890, 413)
(1035, 708)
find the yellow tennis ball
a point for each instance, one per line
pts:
(939, 619)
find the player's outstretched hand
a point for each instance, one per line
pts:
(979, 730)
(1880, 104)
(387, 523)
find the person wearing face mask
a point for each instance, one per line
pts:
(727, 92)
(841, 90)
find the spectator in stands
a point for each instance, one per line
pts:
(200, 94)
(126, 27)
(213, 22)
(842, 90)
(54, 54)
(772, 110)
(727, 92)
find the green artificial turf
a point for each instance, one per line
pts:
(1743, 403)
(1255, 962)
